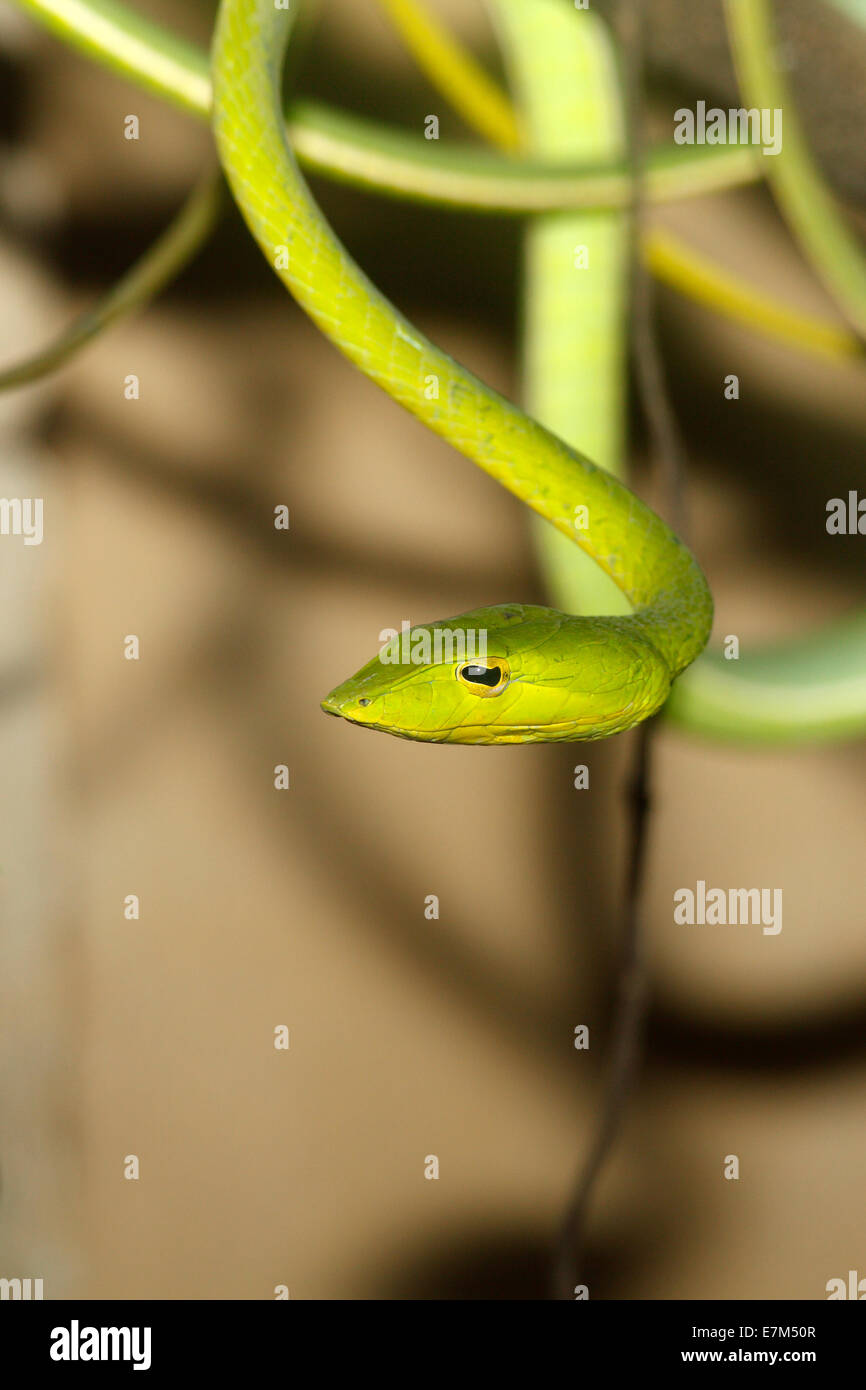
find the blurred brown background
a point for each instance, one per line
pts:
(306, 908)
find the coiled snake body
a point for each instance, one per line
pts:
(545, 676)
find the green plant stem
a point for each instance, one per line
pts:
(118, 38)
(809, 690)
(793, 175)
(855, 10)
(563, 72)
(368, 154)
(455, 73)
(159, 265)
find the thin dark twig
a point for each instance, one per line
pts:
(632, 989)
(626, 1046)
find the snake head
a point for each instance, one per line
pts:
(516, 673)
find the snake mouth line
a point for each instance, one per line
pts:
(337, 714)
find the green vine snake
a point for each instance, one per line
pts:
(812, 687)
(544, 676)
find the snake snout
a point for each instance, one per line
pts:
(345, 703)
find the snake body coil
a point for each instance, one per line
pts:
(544, 675)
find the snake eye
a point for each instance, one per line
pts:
(363, 702)
(484, 679)
(481, 675)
